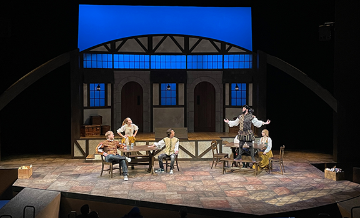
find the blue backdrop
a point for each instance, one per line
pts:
(102, 23)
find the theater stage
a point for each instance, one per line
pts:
(196, 186)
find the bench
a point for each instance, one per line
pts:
(226, 166)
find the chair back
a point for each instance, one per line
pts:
(214, 147)
(282, 152)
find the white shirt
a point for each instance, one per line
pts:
(255, 121)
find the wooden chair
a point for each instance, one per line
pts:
(111, 166)
(278, 160)
(216, 155)
(168, 162)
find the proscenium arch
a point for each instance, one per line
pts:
(30, 78)
(311, 84)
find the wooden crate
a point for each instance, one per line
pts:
(96, 120)
(25, 173)
(104, 129)
(334, 176)
(90, 130)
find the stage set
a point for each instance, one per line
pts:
(301, 189)
(190, 79)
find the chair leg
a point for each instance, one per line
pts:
(282, 163)
(212, 163)
(166, 163)
(102, 169)
(111, 171)
(177, 165)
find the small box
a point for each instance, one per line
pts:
(104, 129)
(24, 172)
(90, 130)
(334, 175)
(96, 120)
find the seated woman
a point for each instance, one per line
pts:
(265, 152)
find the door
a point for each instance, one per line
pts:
(204, 111)
(132, 103)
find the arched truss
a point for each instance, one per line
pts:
(297, 74)
(167, 43)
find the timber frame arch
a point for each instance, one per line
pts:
(167, 43)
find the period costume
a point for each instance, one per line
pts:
(171, 147)
(267, 149)
(110, 148)
(129, 131)
(245, 133)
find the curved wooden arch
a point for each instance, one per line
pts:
(304, 79)
(33, 76)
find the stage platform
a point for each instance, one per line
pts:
(205, 192)
(195, 147)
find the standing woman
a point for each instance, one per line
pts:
(130, 130)
(265, 152)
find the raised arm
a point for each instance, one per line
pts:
(259, 123)
(232, 123)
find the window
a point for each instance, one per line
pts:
(97, 94)
(204, 62)
(238, 61)
(129, 61)
(168, 93)
(98, 60)
(168, 61)
(139, 61)
(238, 94)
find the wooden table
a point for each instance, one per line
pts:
(245, 158)
(147, 159)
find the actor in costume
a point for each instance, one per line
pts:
(108, 148)
(130, 130)
(245, 133)
(171, 144)
(265, 152)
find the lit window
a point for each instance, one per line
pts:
(168, 93)
(129, 61)
(168, 61)
(238, 61)
(97, 94)
(204, 62)
(97, 60)
(238, 94)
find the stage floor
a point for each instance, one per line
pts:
(303, 186)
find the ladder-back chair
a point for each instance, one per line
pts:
(278, 160)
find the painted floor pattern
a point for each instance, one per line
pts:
(302, 186)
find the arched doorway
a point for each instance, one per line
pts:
(132, 103)
(204, 107)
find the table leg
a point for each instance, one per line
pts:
(151, 163)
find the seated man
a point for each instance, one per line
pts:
(108, 148)
(172, 148)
